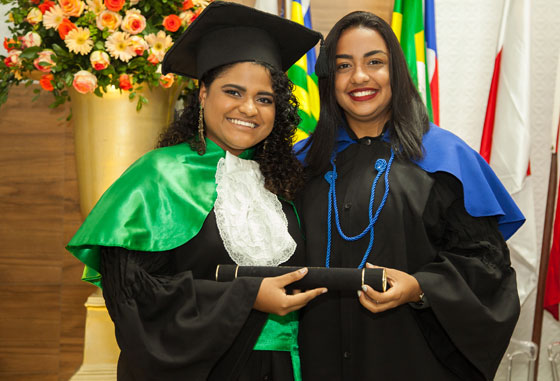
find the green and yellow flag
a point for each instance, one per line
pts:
(302, 73)
(409, 24)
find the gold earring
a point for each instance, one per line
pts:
(202, 143)
(264, 146)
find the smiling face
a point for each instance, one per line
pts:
(239, 107)
(362, 80)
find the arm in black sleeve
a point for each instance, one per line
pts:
(169, 325)
(470, 285)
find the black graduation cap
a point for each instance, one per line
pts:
(226, 32)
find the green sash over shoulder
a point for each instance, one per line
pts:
(158, 204)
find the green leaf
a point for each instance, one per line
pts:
(68, 79)
(99, 45)
(30, 52)
(59, 51)
(3, 96)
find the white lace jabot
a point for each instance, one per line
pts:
(250, 218)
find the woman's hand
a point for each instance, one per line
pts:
(404, 289)
(272, 297)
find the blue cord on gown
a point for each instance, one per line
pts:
(381, 166)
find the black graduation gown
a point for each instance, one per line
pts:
(461, 262)
(174, 322)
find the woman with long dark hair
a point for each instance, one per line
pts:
(217, 191)
(387, 188)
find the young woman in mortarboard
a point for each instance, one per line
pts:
(389, 188)
(214, 194)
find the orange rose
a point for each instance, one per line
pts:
(114, 5)
(187, 4)
(10, 44)
(46, 6)
(84, 82)
(166, 81)
(65, 27)
(108, 19)
(125, 82)
(46, 82)
(172, 23)
(133, 22)
(153, 59)
(72, 7)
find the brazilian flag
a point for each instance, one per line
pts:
(302, 74)
(408, 25)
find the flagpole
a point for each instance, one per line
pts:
(545, 253)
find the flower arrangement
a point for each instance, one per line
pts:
(93, 44)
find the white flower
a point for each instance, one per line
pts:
(201, 3)
(31, 39)
(119, 46)
(84, 82)
(99, 60)
(34, 16)
(53, 17)
(159, 44)
(96, 6)
(78, 41)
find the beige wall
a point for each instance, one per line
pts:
(325, 13)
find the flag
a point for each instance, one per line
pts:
(414, 25)
(431, 55)
(302, 73)
(506, 134)
(552, 288)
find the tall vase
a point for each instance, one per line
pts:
(109, 136)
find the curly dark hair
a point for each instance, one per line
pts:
(283, 174)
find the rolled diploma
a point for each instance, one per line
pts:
(333, 278)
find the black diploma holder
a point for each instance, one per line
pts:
(339, 279)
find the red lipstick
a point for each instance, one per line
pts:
(363, 94)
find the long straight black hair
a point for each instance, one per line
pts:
(409, 115)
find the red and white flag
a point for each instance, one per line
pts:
(506, 138)
(552, 289)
